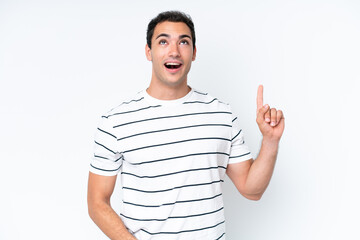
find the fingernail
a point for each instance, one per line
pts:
(272, 124)
(267, 119)
(266, 106)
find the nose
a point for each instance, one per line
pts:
(174, 50)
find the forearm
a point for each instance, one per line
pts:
(262, 168)
(109, 221)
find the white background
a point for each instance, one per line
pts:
(65, 63)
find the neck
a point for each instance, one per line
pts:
(166, 92)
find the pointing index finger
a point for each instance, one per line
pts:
(259, 98)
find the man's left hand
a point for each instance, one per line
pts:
(271, 121)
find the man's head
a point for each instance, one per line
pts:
(171, 49)
(170, 16)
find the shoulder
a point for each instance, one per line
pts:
(127, 104)
(206, 98)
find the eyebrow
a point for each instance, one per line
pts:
(168, 36)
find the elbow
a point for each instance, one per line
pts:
(252, 196)
(96, 210)
(95, 207)
(91, 210)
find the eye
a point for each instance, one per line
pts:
(186, 42)
(162, 42)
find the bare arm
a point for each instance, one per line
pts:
(100, 189)
(251, 178)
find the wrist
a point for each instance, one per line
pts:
(271, 142)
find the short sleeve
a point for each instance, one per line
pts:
(239, 150)
(107, 159)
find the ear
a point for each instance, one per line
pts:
(148, 53)
(194, 54)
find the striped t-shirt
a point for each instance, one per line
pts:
(172, 156)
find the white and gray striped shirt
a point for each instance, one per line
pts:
(172, 156)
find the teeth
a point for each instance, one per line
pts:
(174, 64)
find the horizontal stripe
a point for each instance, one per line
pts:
(223, 102)
(240, 155)
(121, 157)
(201, 102)
(134, 100)
(236, 135)
(170, 189)
(200, 93)
(220, 236)
(182, 141)
(184, 231)
(107, 170)
(173, 116)
(177, 202)
(106, 133)
(105, 147)
(174, 217)
(171, 129)
(101, 157)
(167, 174)
(183, 156)
(140, 109)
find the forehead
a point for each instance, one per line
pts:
(174, 29)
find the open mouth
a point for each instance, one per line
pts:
(172, 65)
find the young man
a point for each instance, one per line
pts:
(172, 146)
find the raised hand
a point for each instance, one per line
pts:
(271, 122)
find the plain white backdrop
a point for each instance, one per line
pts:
(65, 63)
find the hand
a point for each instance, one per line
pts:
(271, 122)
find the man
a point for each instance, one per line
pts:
(173, 145)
